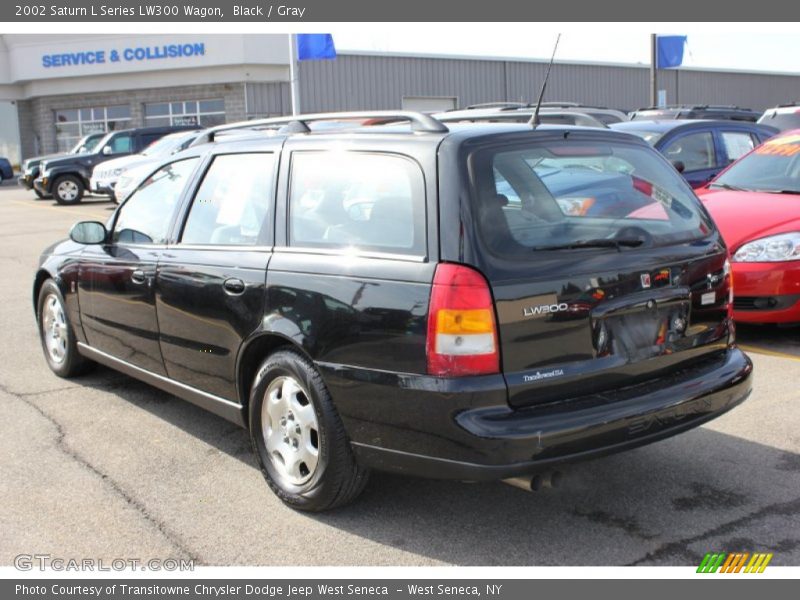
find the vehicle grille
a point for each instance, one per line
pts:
(764, 302)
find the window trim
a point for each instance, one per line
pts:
(410, 255)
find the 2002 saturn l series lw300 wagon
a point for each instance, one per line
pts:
(377, 291)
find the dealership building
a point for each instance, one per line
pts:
(56, 88)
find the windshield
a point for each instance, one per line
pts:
(103, 141)
(772, 167)
(87, 144)
(165, 145)
(565, 195)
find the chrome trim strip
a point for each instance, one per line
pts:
(226, 409)
(342, 252)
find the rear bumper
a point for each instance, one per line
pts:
(767, 292)
(461, 431)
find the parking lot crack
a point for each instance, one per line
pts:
(628, 525)
(109, 481)
(681, 547)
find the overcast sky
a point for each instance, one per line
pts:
(758, 51)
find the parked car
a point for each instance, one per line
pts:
(105, 175)
(756, 203)
(696, 111)
(68, 177)
(518, 114)
(30, 166)
(783, 117)
(603, 114)
(6, 171)
(699, 149)
(368, 299)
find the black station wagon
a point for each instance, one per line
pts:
(476, 302)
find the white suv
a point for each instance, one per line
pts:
(783, 117)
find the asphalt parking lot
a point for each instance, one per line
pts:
(107, 467)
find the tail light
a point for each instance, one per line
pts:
(462, 331)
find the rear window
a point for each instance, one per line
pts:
(561, 194)
(782, 121)
(772, 167)
(357, 201)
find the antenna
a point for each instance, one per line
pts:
(535, 118)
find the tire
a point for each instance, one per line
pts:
(336, 478)
(68, 189)
(56, 334)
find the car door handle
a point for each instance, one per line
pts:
(138, 276)
(233, 286)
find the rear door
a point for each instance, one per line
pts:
(617, 281)
(355, 251)
(211, 284)
(697, 151)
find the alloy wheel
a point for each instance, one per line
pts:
(290, 429)
(54, 328)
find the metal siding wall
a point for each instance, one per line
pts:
(752, 90)
(359, 82)
(378, 82)
(268, 98)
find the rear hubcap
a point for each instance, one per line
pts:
(54, 328)
(290, 429)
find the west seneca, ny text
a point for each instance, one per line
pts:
(260, 590)
(247, 12)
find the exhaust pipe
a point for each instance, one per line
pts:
(534, 483)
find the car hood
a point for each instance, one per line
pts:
(745, 216)
(35, 160)
(123, 162)
(62, 159)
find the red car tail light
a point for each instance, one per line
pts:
(462, 329)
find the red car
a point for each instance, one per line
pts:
(756, 204)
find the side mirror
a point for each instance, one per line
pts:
(679, 166)
(88, 232)
(108, 151)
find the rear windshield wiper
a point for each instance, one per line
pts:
(617, 243)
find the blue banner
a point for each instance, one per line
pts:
(669, 51)
(315, 46)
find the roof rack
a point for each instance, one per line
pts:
(696, 107)
(299, 123)
(559, 104)
(795, 103)
(418, 121)
(499, 104)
